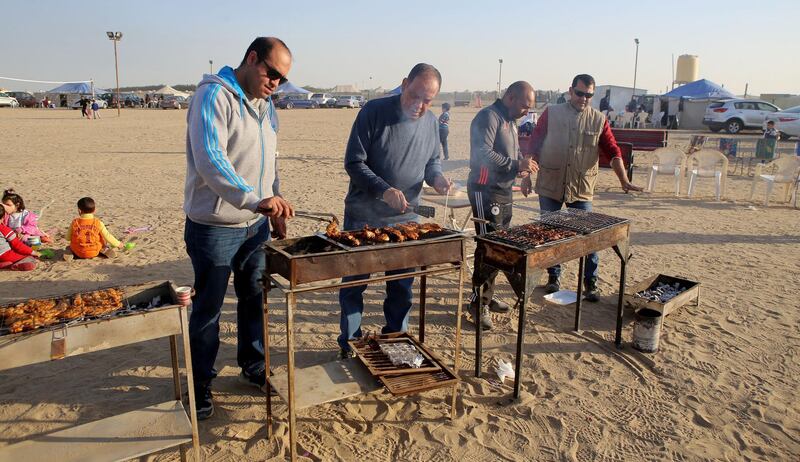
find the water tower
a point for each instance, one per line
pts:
(688, 69)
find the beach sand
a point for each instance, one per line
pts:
(720, 388)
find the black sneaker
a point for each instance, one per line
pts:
(591, 293)
(258, 380)
(498, 306)
(553, 284)
(485, 318)
(203, 401)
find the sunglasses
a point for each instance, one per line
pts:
(581, 94)
(273, 74)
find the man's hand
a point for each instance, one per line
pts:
(628, 186)
(526, 186)
(442, 185)
(527, 165)
(275, 206)
(277, 227)
(396, 199)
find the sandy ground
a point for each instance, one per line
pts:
(720, 388)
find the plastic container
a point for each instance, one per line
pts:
(647, 330)
(184, 294)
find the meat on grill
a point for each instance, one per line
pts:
(403, 232)
(37, 313)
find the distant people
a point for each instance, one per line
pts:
(84, 107)
(22, 221)
(88, 236)
(561, 99)
(605, 104)
(771, 132)
(95, 109)
(631, 107)
(444, 129)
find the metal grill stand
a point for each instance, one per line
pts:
(294, 275)
(528, 266)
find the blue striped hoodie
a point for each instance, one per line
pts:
(230, 153)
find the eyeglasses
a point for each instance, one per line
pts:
(581, 94)
(273, 74)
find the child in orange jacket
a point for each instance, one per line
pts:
(88, 236)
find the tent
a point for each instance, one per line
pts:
(289, 87)
(696, 96)
(79, 88)
(396, 91)
(167, 90)
(700, 89)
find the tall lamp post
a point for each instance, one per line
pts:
(116, 37)
(500, 78)
(635, 68)
(210, 66)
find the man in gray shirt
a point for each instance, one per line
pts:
(393, 147)
(494, 165)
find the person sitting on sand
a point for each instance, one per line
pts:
(14, 254)
(88, 236)
(22, 221)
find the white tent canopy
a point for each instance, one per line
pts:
(167, 90)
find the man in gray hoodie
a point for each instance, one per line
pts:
(231, 184)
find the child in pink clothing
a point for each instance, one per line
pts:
(15, 255)
(22, 221)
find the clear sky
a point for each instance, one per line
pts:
(375, 43)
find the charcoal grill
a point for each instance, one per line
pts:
(317, 263)
(579, 234)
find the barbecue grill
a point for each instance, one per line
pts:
(317, 263)
(525, 252)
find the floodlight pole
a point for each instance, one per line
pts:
(500, 78)
(116, 37)
(210, 66)
(635, 68)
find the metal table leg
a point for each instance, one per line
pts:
(176, 379)
(423, 291)
(290, 305)
(622, 251)
(478, 328)
(581, 263)
(268, 384)
(457, 357)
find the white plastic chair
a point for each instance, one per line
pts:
(708, 163)
(641, 120)
(656, 120)
(787, 172)
(667, 161)
(626, 119)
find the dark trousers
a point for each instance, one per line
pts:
(443, 133)
(216, 252)
(547, 204)
(497, 211)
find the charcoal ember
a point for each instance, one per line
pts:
(661, 293)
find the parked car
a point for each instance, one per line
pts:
(787, 121)
(735, 115)
(174, 102)
(323, 99)
(347, 101)
(291, 103)
(24, 98)
(7, 100)
(361, 100)
(100, 102)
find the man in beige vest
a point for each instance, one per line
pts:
(567, 144)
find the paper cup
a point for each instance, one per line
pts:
(184, 294)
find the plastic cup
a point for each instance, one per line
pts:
(184, 294)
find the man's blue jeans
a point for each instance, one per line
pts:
(396, 305)
(547, 204)
(215, 252)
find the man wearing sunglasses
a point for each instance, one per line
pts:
(231, 185)
(567, 144)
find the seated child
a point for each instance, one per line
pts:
(88, 236)
(22, 221)
(14, 254)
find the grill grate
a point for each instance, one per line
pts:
(580, 221)
(529, 236)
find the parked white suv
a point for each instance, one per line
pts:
(6, 100)
(786, 121)
(734, 115)
(347, 101)
(324, 99)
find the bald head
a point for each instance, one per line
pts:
(519, 98)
